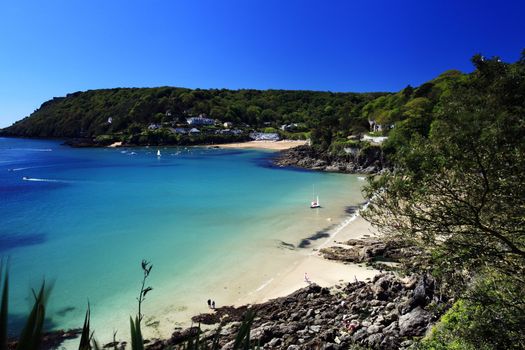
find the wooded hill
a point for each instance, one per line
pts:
(328, 118)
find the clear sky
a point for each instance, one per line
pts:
(53, 47)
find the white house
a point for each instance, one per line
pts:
(264, 136)
(153, 126)
(200, 121)
(375, 126)
(227, 125)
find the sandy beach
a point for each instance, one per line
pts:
(323, 272)
(269, 145)
(274, 276)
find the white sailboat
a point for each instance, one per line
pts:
(158, 153)
(315, 201)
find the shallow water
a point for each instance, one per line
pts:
(212, 222)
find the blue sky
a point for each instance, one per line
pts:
(53, 47)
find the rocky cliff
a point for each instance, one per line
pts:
(366, 160)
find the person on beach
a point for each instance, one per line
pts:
(213, 304)
(209, 303)
(306, 279)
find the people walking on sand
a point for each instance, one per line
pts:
(209, 303)
(213, 304)
(306, 278)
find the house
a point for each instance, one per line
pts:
(227, 125)
(374, 126)
(154, 126)
(194, 131)
(264, 136)
(200, 120)
(289, 127)
(179, 130)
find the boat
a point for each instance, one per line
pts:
(315, 202)
(158, 153)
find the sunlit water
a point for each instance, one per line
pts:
(212, 222)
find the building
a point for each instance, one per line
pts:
(264, 136)
(289, 127)
(154, 126)
(227, 125)
(375, 127)
(200, 120)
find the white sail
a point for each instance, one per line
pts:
(158, 153)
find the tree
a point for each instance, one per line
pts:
(459, 194)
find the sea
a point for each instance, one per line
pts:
(214, 223)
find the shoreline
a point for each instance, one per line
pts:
(321, 271)
(267, 145)
(281, 282)
(285, 281)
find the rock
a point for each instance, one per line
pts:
(316, 329)
(374, 329)
(274, 342)
(293, 347)
(389, 343)
(414, 323)
(354, 161)
(375, 340)
(360, 334)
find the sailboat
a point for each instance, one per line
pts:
(315, 202)
(158, 153)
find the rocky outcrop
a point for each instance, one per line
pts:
(384, 313)
(367, 160)
(369, 250)
(51, 340)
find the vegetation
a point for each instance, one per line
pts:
(457, 192)
(132, 110)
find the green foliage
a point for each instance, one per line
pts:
(242, 341)
(474, 325)
(86, 114)
(85, 337)
(31, 335)
(457, 193)
(137, 342)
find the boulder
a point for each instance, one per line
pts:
(414, 323)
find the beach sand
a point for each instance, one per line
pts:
(273, 276)
(323, 272)
(269, 145)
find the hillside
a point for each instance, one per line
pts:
(150, 115)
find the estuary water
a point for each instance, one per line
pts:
(214, 223)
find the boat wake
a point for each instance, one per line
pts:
(25, 178)
(32, 149)
(30, 167)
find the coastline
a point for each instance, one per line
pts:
(323, 272)
(267, 145)
(282, 282)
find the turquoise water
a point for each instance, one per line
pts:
(84, 219)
